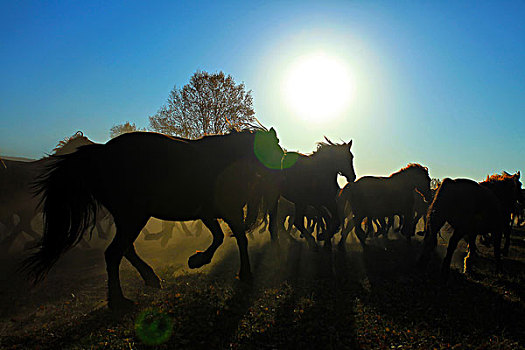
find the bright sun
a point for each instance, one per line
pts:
(318, 88)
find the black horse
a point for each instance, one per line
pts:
(141, 175)
(379, 197)
(312, 181)
(471, 209)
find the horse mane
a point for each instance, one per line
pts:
(65, 141)
(246, 127)
(411, 166)
(494, 178)
(323, 145)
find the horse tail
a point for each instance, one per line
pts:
(69, 208)
(263, 195)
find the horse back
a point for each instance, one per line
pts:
(463, 202)
(378, 196)
(165, 175)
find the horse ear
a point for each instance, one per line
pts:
(272, 131)
(350, 144)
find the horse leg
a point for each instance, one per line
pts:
(452, 244)
(9, 236)
(361, 235)
(506, 234)
(401, 223)
(273, 225)
(202, 258)
(344, 233)
(128, 228)
(369, 227)
(472, 254)
(389, 224)
(408, 227)
(100, 231)
(299, 223)
(331, 225)
(422, 233)
(263, 226)
(239, 231)
(167, 229)
(185, 228)
(25, 226)
(383, 227)
(146, 272)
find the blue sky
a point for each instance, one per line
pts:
(440, 83)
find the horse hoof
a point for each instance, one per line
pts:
(245, 277)
(197, 260)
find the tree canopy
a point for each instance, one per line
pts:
(211, 103)
(120, 129)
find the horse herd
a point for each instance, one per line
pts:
(245, 179)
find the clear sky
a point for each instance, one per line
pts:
(440, 83)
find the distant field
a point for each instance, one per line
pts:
(20, 159)
(304, 300)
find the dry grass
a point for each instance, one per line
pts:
(329, 299)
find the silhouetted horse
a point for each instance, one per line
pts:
(384, 225)
(471, 209)
(420, 212)
(16, 194)
(508, 203)
(312, 181)
(518, 215)
(166, 233)
(380, 197)
(140, 175)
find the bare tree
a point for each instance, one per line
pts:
(208, 104)
(120, 129)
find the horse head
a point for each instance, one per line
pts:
(339, 156)
(421, 179)
(517, 184)
(266, 148)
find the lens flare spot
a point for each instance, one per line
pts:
(289, 159)
(267, 150)
(153, 327)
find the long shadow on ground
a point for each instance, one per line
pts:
(298, 299)
(464, 310)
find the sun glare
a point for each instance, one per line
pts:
(318, 88)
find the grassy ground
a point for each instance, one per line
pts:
(301, 299)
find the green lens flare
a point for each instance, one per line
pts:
(153, 327)
(267, 150)
(289, 159)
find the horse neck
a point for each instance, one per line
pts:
(403, 180)
(503, 190)
(321, 165)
